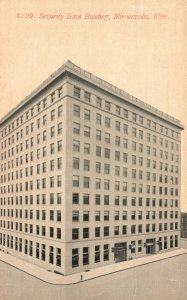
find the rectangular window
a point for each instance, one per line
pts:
(87, 96)
(75, 258)
(75, 181)
(87, 114)
(76, 128)
(76, 110)
(75, 198)
(97, 254)
(77, 92)
(87, 131)
(76, 146)
(98, 102)
(76, 163)
(85, 256)
(75, 233)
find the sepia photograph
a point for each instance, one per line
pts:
(93, 144)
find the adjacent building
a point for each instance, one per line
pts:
(184, 225)
(89, 175)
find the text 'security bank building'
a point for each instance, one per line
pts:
(90, 175)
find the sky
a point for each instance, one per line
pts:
(144, 55)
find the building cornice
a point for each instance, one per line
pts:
(71, 68)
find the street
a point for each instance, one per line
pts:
(163, 280)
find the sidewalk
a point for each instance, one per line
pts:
(56, 279)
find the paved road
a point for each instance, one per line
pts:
(164, 280)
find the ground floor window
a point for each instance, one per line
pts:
(176, 240)
(97, 254)
(75, 258)
(85, 256)
(165, 242)
(58, 257)
(106, 252)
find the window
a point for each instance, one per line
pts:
(51, 232)
(98, 135)
(106, 252)
(97, 183)
(124, 215)
(75, 258)
(86, 182)
(97, 199)
(98, 167)
(147, 227)
(87, 131)
(76, 128)
(107, 122)
(85, 216)
(52, 97)
(52, 131)
(97, 231)
(117, 141)
(133, 201)
(98, 102)
(97, 254)
(133, 146)
(52, 115)
(59, 163)
(75, 181)
(125, 128)
(86, 148)
(75, 163)
(77, 92)
(107, 105)
(134, 117)
(117, 155)
(116, 216)
(141, 120)
(58, 218)
(97, 215)
(87, 96)
(59, 146)
(117, 125)
(52, 166)
(133, 229)
(60, 128)
(60, 111)
(148, 123)
(86, 199)
(106, 230)
(75, 233)
(98, 119)
(107, 153)
(116, 230)
(106, 184)
(85, 233)
(59, 198)
(76, 146)
(59, 181)
(86, 165)
(106, 215)
(117, 110)
(133, 215)
(134, 132)
(75, 198)
(107, 137)
(85, 256)
(76, 110)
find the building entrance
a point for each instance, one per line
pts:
(150, 246)
(120, 252)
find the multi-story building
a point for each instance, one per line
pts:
(90, 175)
(184, 225)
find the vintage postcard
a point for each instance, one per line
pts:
(93, 150)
